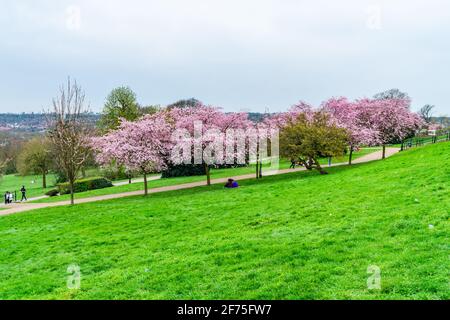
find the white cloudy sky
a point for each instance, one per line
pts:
(238, 54)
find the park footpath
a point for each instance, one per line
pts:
(20, 207)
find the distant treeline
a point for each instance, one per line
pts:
(35, 122)
(444, 121)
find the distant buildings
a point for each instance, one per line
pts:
(30, 122)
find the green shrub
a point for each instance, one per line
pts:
(85, 185)
(52, 192)
(114, 172)
(183, 170)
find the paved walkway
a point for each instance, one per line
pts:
(122, 183)
(20, 207)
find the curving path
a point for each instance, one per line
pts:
(20, 207)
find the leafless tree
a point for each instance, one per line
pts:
(426, 112)
(69, 132)
(391, 94)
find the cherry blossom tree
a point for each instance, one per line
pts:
(391, 119)
(206, 135)
(354, 117)
(142, 145)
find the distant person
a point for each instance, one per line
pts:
(8, 197)
(24, 193)
(293, 163)
(231, 184)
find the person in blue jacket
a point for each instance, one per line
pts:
(231, 184)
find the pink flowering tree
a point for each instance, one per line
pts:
(392, 119)
(142, 145)
(205, 135)
(354, 117)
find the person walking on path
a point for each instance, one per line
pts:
(24, 193)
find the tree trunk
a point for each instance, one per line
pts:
(260, 169)
(320, 168)
(384, 152)
(257, 169)
(208, 175)
(71, 182)
(44, 179)
(129, 179)
(350, 156)
(83, 172)
(145, 184)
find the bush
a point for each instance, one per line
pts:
(60, 177)
(85, 185)
(186, 170)
(113, 172)
(52, 192)
(183, 170)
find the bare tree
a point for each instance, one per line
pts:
(426, 112)
(69, 131)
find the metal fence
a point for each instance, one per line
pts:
(421, 140)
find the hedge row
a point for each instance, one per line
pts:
(84, 185)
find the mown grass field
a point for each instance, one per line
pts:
(215, 173)
(293, 236)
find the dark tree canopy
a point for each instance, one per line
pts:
(426, 112)
(150, 109)
(391, 94)
(35, 158)
(185, 103)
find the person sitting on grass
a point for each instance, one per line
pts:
(231, 184)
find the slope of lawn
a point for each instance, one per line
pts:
(293, 236)
(215, 173)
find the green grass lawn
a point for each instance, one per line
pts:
(215, 173)
(32, 183)
(293, 236)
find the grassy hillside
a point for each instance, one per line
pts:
(294, 236)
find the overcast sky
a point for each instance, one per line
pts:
(238, 54)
